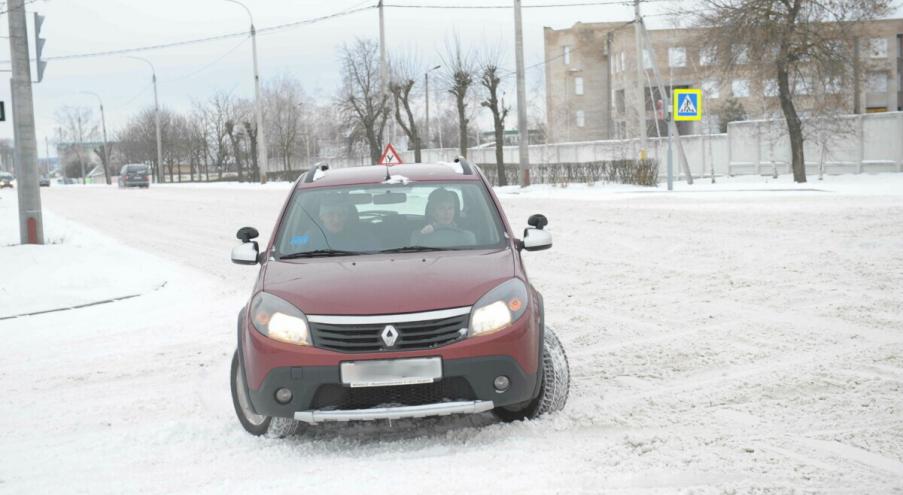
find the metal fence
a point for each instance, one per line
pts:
(846, 144)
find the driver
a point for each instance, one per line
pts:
(441, 228)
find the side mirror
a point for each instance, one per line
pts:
(245, 253)
(538, 221)
(247, 233)
(536, 240)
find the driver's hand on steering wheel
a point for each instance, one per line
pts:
(429, 229)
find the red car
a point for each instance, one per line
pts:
(393, 292)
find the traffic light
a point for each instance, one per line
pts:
(39, 45)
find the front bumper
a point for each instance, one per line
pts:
(466, 386)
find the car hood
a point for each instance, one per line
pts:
(387, 284)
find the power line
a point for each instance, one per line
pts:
(27, 2)
(538, 6)
(161, 46)
(207, 66)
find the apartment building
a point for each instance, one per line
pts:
(593, 92)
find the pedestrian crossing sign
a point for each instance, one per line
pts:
(687, 104)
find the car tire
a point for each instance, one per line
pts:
(253, 423)
(554, 387)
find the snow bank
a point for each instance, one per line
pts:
(75, 266)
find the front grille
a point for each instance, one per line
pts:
(339, 397)
(367, 337)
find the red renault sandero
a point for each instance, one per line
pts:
(393, 292)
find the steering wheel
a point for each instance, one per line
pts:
(447, 228)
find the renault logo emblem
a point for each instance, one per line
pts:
(389, 335)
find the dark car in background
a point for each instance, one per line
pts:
(134, 175)
(44, 182)
(6, 180)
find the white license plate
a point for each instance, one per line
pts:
(388, 372)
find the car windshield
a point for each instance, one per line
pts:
(389, 218)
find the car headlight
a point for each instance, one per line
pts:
(499, 308)
(279, 320)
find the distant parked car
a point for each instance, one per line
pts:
(133, 174)
(6, 180)
(44, 182)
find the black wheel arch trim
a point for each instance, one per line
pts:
(241, 359)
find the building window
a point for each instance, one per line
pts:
(740, 88)
(567, 55)
(647, 59)
(771, 87)
(833, 86)
(876, 82)
(623, 61)
(620, 101)
(711, 88)
(878, 48)
(677, 56)
(578, 86)
(802, 86)
(707, 56)
(740, 54)
(580, 118)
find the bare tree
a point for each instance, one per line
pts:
(803, 44)
(284, 101)
(458, 78)
(361, 100)
(78, 127)
(403, 78)
(217, 113)
(491, 81)
(104, 152)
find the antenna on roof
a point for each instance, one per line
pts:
(388, 177)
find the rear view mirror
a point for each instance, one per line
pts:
(389, 198)
(361, 198)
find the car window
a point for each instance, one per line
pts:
(379, 217)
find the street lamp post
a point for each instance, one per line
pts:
(156, 118)
(426, 96)
(261, 138)
(106, 149)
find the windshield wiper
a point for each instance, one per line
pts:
(415, 249)
(318, 253)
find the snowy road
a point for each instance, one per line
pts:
(721, 342)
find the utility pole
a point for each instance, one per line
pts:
(159, 171)
(524, 133)
(439, 131)
(426, 96)
(641, 100)
(31, 223)
(382, 51)
(261, 137)
(106, 149)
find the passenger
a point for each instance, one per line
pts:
(441, 229)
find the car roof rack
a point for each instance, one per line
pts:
(466, 167)
(317, 171)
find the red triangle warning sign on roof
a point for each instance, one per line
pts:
(390, 156)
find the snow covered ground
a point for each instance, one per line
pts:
(743, 337)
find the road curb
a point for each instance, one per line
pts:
(79, 306)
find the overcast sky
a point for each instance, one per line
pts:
(308, 52)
